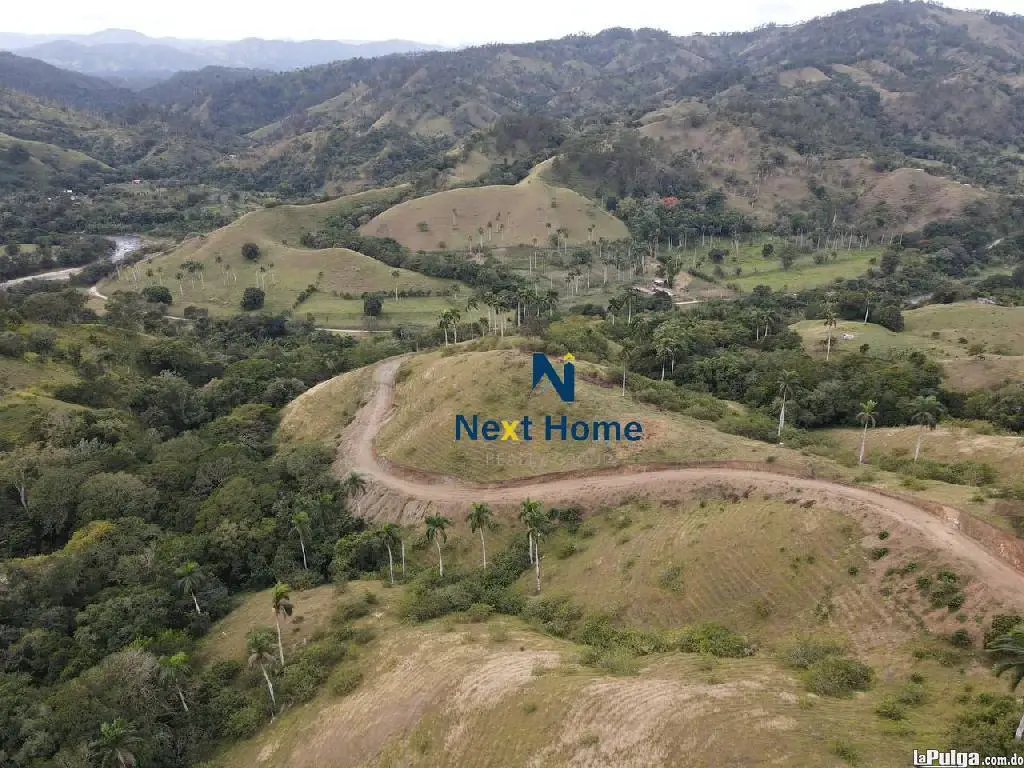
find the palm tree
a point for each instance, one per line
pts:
(481, 517)
(927, 412)
(527, 512)
(626, 352)
(174, 671)
(436, 525)
(354, 485)
(787, 381)
(282, 607)
(536, 523)
(454, 316)
(115, 743)
(191, 578)
(830, 323)
(260, 648)
(300, 524)
(443, 323)
(1011, 647)
(396, 274)
(390, 535)
(866, 416)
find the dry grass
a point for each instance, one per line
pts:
(496, 385)
(508, 215)
(226, 640)
(450, 694)
(323, 413)
(946, 332)
(277, 232)
(791, 78)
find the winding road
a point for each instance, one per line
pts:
(401, 494)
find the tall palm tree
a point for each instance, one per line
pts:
(626, 352)
(443, 322)
(396, 274)
(527, 510)
(436, 525)
(300, 524)
(787, 381)
(260, 648)
(115, 743)
(354, 485)
(390, 535)
(481, 517)
(1011, 649)
(281, 599)
(537, 524)
(830, 323)
(191, 578)
(867, 416)
(173, 672)
(454, 316)
(927, 412)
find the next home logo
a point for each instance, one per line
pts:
(557, 428)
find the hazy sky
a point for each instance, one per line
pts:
(450, 22)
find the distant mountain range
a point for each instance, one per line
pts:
(136, 60)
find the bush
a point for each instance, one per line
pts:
(960, 638)
(805, 652)
(879, 552)
(912, 696)
(987, 726)
(714, 639)
(252, 298)
(890, 709)
(243, 723)
(1002, 624)
(158, 294)
(479, 612)
(345, 680)
(251, 252)
(838, 676)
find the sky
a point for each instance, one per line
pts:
(444, 22)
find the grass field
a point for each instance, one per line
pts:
(323, 415)
(501, 694)
(528, 212)
(946, 332)
(289, 268)
(757, 270)
(435, 387)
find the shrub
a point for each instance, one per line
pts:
(960, 638)
(912, 696)
(890, 709)
(987, 726)
(883, 535)
(714, 639)
(479, 612)
(345, 680)
(243, 723)
(672, 578)
(879, 552)
(838, 676)
(252, 298)
(251, 252)
(844, 750)
(805, 652)
(1001, 625)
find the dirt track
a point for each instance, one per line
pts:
(399, 495)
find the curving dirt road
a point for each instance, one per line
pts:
(424, 493)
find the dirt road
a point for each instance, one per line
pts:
(401, 495)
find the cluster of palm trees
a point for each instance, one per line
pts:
(927, 412)
(260, 642)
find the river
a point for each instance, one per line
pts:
(124, 246)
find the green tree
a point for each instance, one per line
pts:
(767, 251)
(260, 647)
(191, 578)
(253, 298)
(281, 599)
(251, 252)
(787, 256)
(481, 518)
(158, 294)
(1009, 648)
(391, 535)
(866, 416)
(300, 525)
(174, 672)
(373, 306)
(538, 524)
(927, 412)
(396, 274)
(436, 532)
(115, 744)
